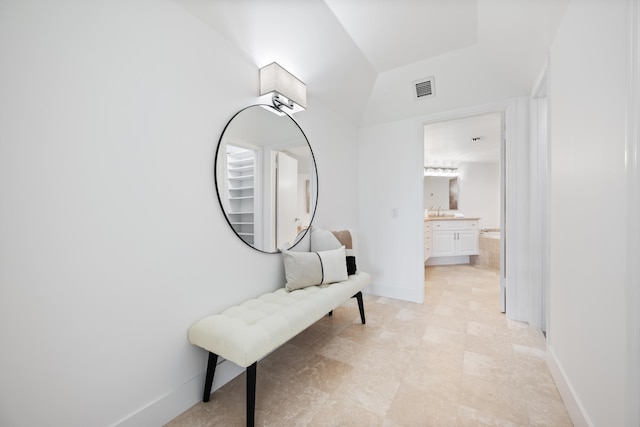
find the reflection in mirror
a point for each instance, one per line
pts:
(441, 192)
(266, 178)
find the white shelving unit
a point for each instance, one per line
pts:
(241, 167)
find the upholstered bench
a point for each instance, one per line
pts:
(246, 333)
(321, 275)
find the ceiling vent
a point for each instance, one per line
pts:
(424, 88)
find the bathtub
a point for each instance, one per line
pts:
(492, 233)
(489, 246)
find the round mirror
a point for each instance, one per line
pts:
(266, 178)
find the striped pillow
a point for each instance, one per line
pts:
(303, 269)
(322, 240)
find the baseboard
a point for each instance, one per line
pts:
(411, 295)
(167, 407)
(571, 402)
(448, 260)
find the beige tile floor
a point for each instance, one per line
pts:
(453, 361)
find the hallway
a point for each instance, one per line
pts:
(453, 361)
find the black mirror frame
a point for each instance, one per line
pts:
(300, 236)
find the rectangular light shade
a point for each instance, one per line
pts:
(274, 78)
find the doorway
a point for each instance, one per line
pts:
(467, 155)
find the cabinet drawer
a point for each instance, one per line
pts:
(455, 225)
(439, 225)
(470, 225)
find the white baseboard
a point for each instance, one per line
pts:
(448, 260)
(411, 295)
(167, 407)
(571, 402)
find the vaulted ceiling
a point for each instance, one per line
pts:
(361, 57)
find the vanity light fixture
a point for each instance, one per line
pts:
(288, 91)
(439, 171)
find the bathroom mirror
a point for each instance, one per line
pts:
(441, 191)
(266, 178)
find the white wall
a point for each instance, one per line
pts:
(391, 174)
(334, 144)
(112, 241)
(588, 223)
(480, 192)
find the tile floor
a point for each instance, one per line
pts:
(453, 361)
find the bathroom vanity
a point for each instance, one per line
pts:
(450, 240)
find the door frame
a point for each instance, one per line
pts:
(632, 386)
(514, 286)
(540, 202)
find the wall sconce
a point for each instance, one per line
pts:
(439, 171)
(287, 90)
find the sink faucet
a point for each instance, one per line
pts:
(439, 207)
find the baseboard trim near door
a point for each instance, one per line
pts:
(575, 409)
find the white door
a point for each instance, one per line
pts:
(287, 199)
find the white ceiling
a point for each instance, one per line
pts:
(394, 33)
(360, 57)
(451, 142)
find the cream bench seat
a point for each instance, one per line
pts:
(247, 332)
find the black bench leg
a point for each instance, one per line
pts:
(360, 306)
(330, 313)
(251, 394)
(208, 381)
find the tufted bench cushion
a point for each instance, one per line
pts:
(247, 332)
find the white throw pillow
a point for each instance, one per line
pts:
(303, 269)
(334, 267)
(323, 240)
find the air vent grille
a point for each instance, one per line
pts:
(424, 88)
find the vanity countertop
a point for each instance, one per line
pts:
(448, 218)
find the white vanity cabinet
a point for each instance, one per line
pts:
(454, 237)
